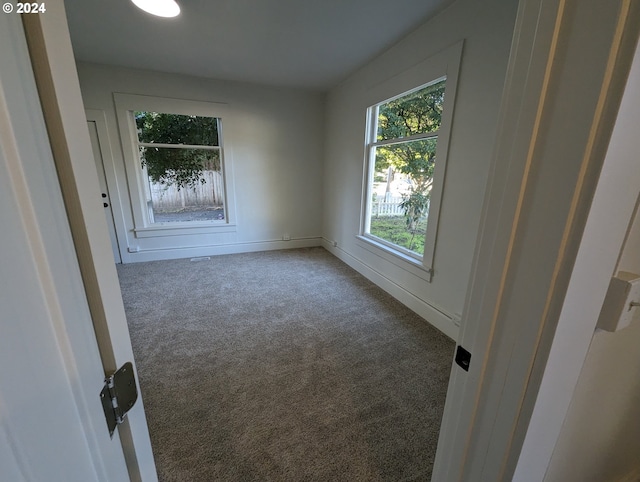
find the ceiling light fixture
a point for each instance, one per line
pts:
(160, 8)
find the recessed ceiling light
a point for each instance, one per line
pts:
(161, 8)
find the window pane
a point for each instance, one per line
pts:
(183, 184)
(177, 129)
(416, 113)
(400, 194)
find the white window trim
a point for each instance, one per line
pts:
(126, 104)
(445, 64)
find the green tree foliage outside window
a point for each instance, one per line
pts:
(181, 166)
(419, 112)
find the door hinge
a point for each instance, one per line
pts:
(118, 395)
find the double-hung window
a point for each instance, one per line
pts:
(406, 152)
(181, 159)
(177, 165)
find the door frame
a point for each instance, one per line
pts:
(61, 100)
(565, 80)
(605, 240)
(488, 407)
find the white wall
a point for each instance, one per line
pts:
(600, 437)
(486, 28)
(630, 256)
(275, 139)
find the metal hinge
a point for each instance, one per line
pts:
(118, 396)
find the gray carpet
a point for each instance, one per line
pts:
(283, 366)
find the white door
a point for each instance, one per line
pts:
(91, 267)
(98, 157)
(51, 422)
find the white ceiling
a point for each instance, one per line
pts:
(300, 43)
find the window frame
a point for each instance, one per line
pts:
(126, 105)
(442, 66)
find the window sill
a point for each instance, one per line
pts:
(180, 229)
(401, 260)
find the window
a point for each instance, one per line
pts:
(181, 158)
(402, 154)
(178, 167)
(407, 138)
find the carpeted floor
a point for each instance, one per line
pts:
(283, 366)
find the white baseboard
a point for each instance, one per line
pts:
(236, 248)
(435, 317)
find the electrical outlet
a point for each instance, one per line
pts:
(286, 237)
